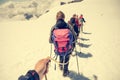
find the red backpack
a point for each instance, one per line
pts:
(62, 39)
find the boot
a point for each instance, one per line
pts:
(65, 73)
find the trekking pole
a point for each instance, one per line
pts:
(55, 60)
(46, 77)
(50, 56)
(80, 41)
(63, 62)
(77, 62)
(50, 49)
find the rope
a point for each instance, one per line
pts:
(58, 62)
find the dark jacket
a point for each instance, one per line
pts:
(74, 24)
(30, 75)
(61, 24)
(72, 21)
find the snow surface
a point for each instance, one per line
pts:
(23, 43)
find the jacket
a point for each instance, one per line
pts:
(61, 24)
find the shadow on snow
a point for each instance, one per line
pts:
(84, 55)
(84, 39)
(84, 45)
(75, 76)
(86, 33)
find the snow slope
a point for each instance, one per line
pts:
(23, 43)
(18, 10)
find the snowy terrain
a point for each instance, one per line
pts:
(22, 10)
(27, 9)
(23, 43)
